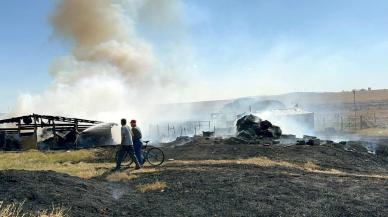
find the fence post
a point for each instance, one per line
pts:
(355, 123)
(374, 116)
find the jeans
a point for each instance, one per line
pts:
(121, 153)
(137, 144)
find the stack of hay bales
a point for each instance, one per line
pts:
(251, 127)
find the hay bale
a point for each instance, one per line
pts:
(245, 134)
(252, 127)
(248, 122)
(265, 125)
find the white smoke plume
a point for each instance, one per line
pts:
(110, 71)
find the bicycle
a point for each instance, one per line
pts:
(153, 155)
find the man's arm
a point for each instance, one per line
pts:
(140, 135)
(137, 133)
(122, 136)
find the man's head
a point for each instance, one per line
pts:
(133, 123)
(123, 122)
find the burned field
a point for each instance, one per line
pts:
(204, 177)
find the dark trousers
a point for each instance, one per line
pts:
(137, 144)
(121, 153)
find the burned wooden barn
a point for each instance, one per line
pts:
(46, 132)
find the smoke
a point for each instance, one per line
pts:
(291, 123)
(111, 72)
(102, 33)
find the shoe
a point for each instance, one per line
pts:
(137, 167)
(116, 169)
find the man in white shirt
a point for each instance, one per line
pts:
(126, 146)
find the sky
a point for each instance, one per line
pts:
(242, 48)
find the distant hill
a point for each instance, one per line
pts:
(372, 100)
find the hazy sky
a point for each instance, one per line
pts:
(248, 47)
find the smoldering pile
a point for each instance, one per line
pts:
(253, 130)
(251, 127)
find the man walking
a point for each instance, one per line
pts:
(137, 143)
(126, 146)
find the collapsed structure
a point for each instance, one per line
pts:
(50, 132)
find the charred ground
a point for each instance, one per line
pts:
(211, 178)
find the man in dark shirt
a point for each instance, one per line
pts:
(137, 143)
(126, 146)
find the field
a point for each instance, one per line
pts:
(201, 178)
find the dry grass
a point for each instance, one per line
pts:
(121, 177)
(11, 210)
(311, 166)
(74, 163)
(16, 210)
(71, 162)
(151, 187)
(54, 212)
(266, 162)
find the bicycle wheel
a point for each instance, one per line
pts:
(155, 156)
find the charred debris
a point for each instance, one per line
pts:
(45, 132)
(250, 129)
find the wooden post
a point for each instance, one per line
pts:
(35, 132)
(77, 134)
(54, 133)
(374, 117)
(19, 127)
(355, 123)
(342, 123)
